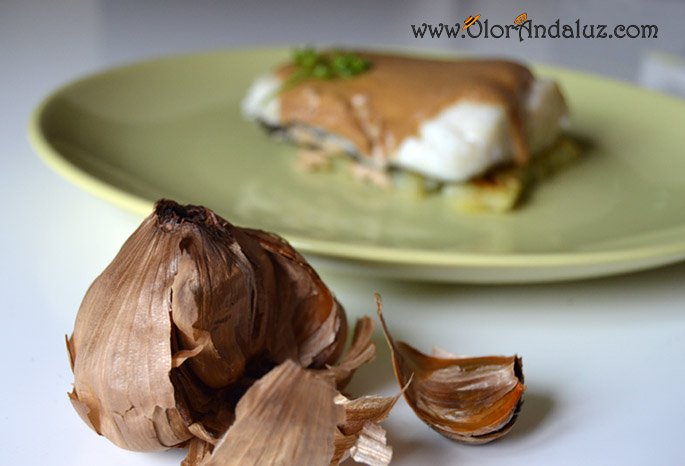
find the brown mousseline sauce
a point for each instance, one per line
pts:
(379, 108)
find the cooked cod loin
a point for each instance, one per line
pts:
(448, 120)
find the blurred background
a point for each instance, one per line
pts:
(101, 31)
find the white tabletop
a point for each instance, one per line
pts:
(602, 358)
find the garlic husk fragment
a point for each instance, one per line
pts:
(371, 448)
(359, 436)
(294, 415)
(356, 414)
(469, 400)
(198, 451)
(361, 351)
(287, 417)
(186, 317)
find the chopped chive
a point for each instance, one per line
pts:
(321, 65)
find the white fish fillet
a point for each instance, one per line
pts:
(461, 142)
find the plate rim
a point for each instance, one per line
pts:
(667, 253)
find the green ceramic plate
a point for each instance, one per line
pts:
(172, 128)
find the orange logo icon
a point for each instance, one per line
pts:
(469, 21)
(520, 19)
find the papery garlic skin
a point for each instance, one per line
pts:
(121, 347)
(288, 417)
(468, 400)
(188, 313)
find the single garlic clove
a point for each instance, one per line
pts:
(469, 400)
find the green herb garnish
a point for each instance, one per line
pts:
(319, 65)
